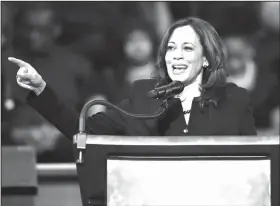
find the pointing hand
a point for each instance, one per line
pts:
(28, 77)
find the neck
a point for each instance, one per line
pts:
(192, 90)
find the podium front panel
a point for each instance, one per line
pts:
(189, 171)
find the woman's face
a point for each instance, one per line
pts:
(184, 55)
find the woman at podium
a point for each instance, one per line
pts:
(192, 53)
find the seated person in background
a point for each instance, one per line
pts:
(37, 29)
(191, 52)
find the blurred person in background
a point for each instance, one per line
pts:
(137, 61)
(244, 72)
(37, 29)
(139, 43)
(273, 128)
(89, 27)
(8, 103)
(266, 93)
(241, 65)
(158, 14)
(7, 33)
(6, 50)
(191, 52)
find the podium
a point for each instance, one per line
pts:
(189, 171)
(19, 176)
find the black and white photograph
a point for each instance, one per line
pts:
(140, 103)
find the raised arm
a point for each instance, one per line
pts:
(44, 100)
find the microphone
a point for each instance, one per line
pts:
(175, 87)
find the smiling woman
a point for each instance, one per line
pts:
(184, 56)
(190, 52)
(200, 46)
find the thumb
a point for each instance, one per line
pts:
(25, 70)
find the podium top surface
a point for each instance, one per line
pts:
(179, 140)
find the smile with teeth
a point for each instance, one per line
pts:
(178, 69)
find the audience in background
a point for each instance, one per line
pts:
(139, 45)
(37, 29)
(243, 70)
(241, 65)
(8, 103)
(158, 14)
(266, 94)
(225, 16)
(97, 49)
(92, 29)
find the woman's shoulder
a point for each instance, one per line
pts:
(229, 93)
(236, 91)
(236, 94)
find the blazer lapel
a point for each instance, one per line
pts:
(199, 122)
(172, 123)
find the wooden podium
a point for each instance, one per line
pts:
(19, 176)
(121, 170)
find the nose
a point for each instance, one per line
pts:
(178, 54)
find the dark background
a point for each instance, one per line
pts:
(89, 52)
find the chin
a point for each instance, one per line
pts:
(180, 77)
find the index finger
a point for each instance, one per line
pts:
(19, 62)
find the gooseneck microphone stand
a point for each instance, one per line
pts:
(80, 138)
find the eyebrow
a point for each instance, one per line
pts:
(188, 43)
(184, 43)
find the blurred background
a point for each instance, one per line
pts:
(97, 49)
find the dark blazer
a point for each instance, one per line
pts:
(232, 116)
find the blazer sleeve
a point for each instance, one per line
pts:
(247, 118)
(66, 119)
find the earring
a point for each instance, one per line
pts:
(205, 64)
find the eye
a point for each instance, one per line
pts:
(187, 48)
(170, 47)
